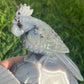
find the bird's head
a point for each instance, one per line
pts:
(21, 22)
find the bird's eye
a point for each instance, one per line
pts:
(15, 19)
(19, 13)
(19, 25)
(19, 21)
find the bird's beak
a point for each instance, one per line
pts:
(17, 31)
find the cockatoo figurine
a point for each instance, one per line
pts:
(40, 39)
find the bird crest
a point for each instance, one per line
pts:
(24, 10)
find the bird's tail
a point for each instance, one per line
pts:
(70, 66)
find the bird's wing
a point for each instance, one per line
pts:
(70, 65)
(49, 40)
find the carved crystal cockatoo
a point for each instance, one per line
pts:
(39, 37)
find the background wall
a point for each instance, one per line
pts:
(66, 17)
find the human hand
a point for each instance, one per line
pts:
(8, 63)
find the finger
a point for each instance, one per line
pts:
(17, 59)
(8, 63)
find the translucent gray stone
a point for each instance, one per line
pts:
(28, 71)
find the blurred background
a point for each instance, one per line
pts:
(66, 17)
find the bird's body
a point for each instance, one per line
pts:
(44, 39)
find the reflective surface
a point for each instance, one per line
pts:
(38, 69)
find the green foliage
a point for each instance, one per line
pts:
(9, 44)
(64, 16)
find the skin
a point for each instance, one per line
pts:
(8, 63)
